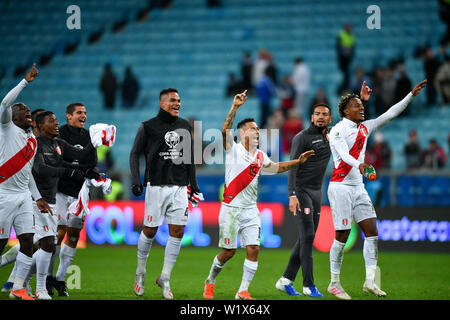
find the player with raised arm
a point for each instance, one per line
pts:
(348, 197)
(17, 186)
(239, 214)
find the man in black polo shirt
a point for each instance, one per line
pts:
(304, 186)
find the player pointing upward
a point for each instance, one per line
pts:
(348, 197)
(238, 213)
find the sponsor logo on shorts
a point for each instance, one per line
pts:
(307, 210)
(344, 222)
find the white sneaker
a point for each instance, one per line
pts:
(139, 284)
(43, 295)
(336, 289)
(371, 287)
(281, 283)
(165, 286)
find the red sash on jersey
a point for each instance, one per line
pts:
(243, 179)
(343, 169)
(18, 161)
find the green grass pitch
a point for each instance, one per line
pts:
(107, 273)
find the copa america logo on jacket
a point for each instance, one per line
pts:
(172, 139)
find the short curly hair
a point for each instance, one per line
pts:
(344, 102)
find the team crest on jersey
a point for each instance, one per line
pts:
(364, 131)
(307, 210)
(58, 149)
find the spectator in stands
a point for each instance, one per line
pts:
(272, 70)
(431, 66)
(357, 80)
(381, 152)
(378, 79)
(130, 88)
(388, 88)
(345, 52)
(234, 86)
(291, 126)
(319, 98)
(272, 138)
(246, 72)
(412, 151)
(108, 86)
(402, 88)
(265, 90)
(442, 81)
(287, 95)
(444, 14)
(259, 67)
(301, 79)
(434, 157)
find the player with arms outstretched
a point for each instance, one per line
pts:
(239, 214)
(348, 197)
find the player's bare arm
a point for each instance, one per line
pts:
(294, 205)
(280, 167)
(227, 137)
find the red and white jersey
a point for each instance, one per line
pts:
(348, 143)
(242, 170)
(17, 148)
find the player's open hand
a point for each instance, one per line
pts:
(43, 206)
(415, 91)
(294, 205)
(240, 99)
(305, 155)
(365, 92)
(32, 73)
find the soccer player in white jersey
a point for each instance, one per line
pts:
(238, 213)
(17, 186)
(348, 198)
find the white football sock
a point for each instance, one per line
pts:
(370, 252)
(170, 256)
(143, 249)
(23, 264)
(55, 255)
(65, 260)
(336, 258)
(13, 273)
(42, 262)
(216, 268)
(250, 268)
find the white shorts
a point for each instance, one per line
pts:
(234, 221)
(63, 202)
(169, 203)
(347, 203)
(16, 210)
(45, 223)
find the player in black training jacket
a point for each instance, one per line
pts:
(48, 168)
(68, 189)
(166, 142)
